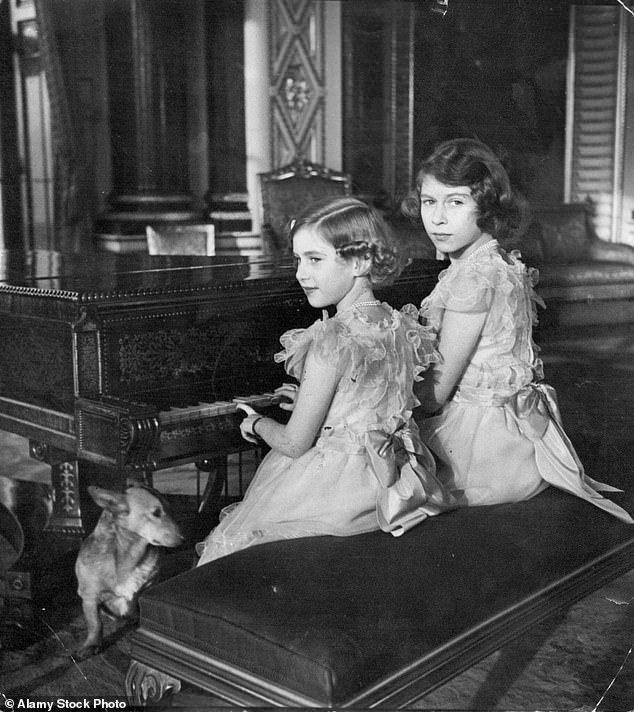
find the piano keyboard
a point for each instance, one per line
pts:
(202, 410)
(136, 436)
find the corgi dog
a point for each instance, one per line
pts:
(120, 557)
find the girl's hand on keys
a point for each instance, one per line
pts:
(287, 392)
(246, 426)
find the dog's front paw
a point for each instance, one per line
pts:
(120, 606)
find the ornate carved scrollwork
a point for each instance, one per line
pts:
(67, 487)
(166, 353)
(38, 450)
(145, 685)
(297, 92)
(126, 433)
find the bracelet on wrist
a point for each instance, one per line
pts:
(256, 420)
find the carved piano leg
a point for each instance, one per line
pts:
(145, 685)
(74, 512)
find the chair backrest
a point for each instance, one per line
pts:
(566, 231)
(286, 190)
(556, 234)
(181, 239)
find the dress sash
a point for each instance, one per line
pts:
(535, 411)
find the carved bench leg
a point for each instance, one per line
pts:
(145, 685)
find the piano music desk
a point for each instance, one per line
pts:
(371, 620)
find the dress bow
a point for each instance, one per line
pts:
(534, 406)
(406, 472)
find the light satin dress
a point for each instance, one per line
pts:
(500, 437)
(368, 468)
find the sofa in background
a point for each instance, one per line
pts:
(583, 279)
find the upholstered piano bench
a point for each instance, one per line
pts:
(371, 620)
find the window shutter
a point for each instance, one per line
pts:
(596, 114)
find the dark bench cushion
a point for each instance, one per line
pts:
(331, 619)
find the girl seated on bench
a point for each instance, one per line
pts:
(350, 459)
(492, 423)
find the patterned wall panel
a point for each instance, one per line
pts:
(297, 80)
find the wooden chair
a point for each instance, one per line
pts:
(187, 239)
(286, 190)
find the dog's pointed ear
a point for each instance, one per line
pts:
(115, 502)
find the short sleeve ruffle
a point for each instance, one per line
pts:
(466, 287)
(422, 339)
(326, 339)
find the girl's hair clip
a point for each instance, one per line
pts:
(292, 224)
(357, 244)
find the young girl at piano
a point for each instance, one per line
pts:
(350, 459)
(492, 423)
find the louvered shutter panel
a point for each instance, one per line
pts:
(595, 152)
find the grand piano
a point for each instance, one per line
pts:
(115, 366)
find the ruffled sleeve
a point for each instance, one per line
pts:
(296, 344)
(465, 287)
(422, 340)
(329, 341)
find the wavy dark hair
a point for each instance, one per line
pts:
(354, 229)
(468, 162)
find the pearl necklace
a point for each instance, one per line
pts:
(488, 245)
(372, 303)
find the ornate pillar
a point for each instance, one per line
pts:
(147, 78)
